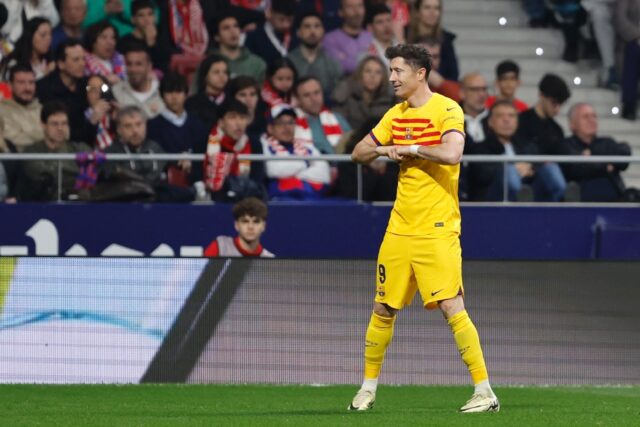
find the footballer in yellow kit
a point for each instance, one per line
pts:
(421, 247)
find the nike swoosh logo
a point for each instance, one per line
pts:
(436, 292)
(452, 108)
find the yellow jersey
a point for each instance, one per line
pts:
(427, 198)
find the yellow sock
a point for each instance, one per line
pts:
(378, 337)
(468, 343)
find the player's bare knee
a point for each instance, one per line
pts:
(450, 307)
(384, 310)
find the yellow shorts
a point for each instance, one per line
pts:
(431, 264)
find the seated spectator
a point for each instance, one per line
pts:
(365, 94)
(537, 124)
(627, 18)
(278, 86)
(132, 139)
(145, 31)
(116, 12)
(241, 61)
(274, 39)
(486, 180)
(437, 83)
(474, 95)
(38, 179)
(176, 130)
(245, 90)
(20, 11)
(68, 84)
(316, 123)
(211, 82)
(599, 182)
(101, 113)
(225, 176)
(310, 58)
(347, 43)
(188, 34)
(507, 83)
(141, 86)
(72, 14)
(31, 48)
(379, 178)
(426, 20)
(292, 180)
(601, 13)
(102, 59)
(20, 116)
(250, 221)
(380, 25)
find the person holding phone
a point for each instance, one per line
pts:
(101, 112)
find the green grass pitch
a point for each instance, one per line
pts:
(214, 405)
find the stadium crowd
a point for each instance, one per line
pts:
(280, 78)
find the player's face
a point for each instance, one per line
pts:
(229, 33)
(310, 97)
(508, 84)
(234, 124)
(250, 228)
(504, 121)
(404, 79)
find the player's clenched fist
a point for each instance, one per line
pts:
(393, 152)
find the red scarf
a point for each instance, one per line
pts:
(272, 96)
(187, 27)
(330, 127)
(221, 159)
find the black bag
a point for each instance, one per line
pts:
(120, 185)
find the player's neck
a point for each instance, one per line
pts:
(420, 97)
(248, 246)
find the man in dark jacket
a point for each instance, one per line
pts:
(599, 182)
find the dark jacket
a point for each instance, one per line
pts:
(258, 42)
(152, 171)
(546, 134)
(597, 184)
(204, 108)
(448, 58)
(349, 101)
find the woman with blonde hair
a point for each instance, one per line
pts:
(427, 21)
(366, 93)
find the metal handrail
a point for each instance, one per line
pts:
(504, 159)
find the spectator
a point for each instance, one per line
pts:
(5, 44)
(474, 95)
(486, 180)
(145, 30)
(329, 10)
(116, 12)
(291, 180)
(278, 86)
(38, 179)
(188, 34)
(599, 182)
(32, 48)
(347, 43)
(507, 83)
(100, 115)
(316, 124)
(628, 25)
(141, 86)
(250, 221)
(426, 21)
(310, 58)
(68, 84)
(4, 184)
(537, 124)
(275, 39)
(20, 116)
(365, 94)
(245, 90)
(29, 9)
(225, 176)
(72, 14)
(102, 58)
(380, 25)
(437, 83)
(211, 81)
(601, 13)
(570, 17)
(379, 178)
(132, 139)
(178, 131)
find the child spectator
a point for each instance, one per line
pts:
(507, 83)
(145, 30)
(278, 86)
